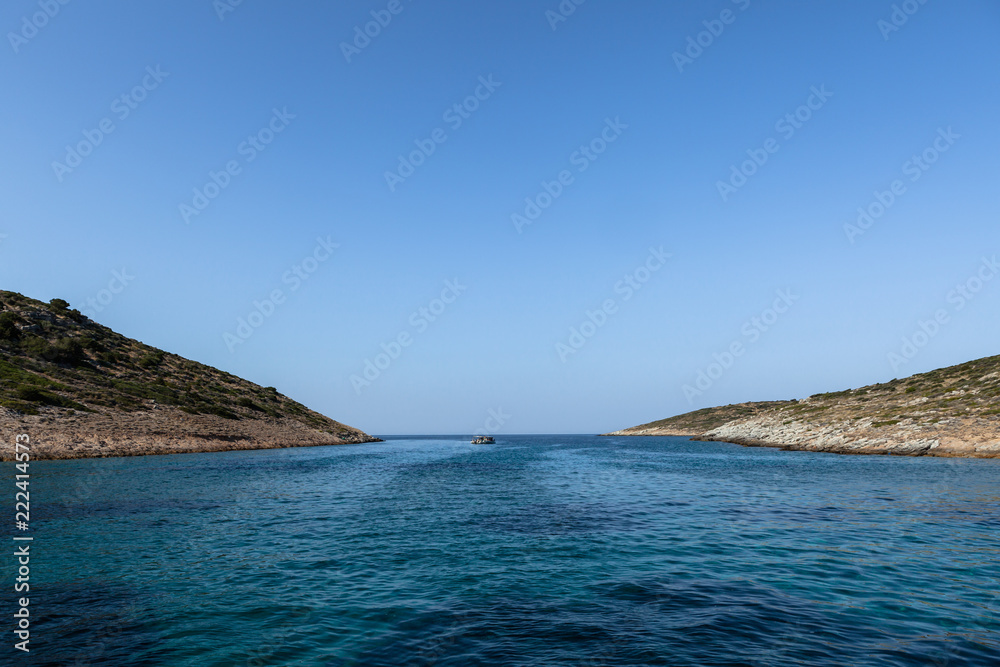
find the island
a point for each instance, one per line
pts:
(952, 412)
(80, 390)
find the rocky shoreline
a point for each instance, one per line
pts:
(57, 435)
(957, 437)
(950, 412)
(81, 390)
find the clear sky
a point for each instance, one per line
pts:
(263, 146)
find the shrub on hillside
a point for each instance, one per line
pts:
(63, 351)
(8, 327)
(245, 402)
(151, 359)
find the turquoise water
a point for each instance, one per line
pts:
(539, 550)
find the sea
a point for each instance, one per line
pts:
(536, 550)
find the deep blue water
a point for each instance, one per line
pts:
(539, 550)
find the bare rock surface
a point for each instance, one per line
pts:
(953, 437)
(951, 411)
(55, 435)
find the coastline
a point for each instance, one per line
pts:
(56, 435)
(950, 438)
(956, 437)
(653, 432)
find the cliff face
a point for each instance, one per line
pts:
(79, 389)
(970, 437)
(948, 412)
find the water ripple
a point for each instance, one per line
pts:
(548, 550)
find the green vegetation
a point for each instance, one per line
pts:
(969, 390)
(54, 358)
(151, 359)
(708, 418)
(8, 327)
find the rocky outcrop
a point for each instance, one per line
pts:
(952, 437)
(656, 430)
(55, 435)
(79, 389)
(947, 412)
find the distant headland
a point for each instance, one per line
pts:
(951, 411)
(80, 390)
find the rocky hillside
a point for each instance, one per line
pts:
(79, 389)
(948, 412)
(701, 421)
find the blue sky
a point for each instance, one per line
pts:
(641, 138)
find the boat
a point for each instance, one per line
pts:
(483, 440)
